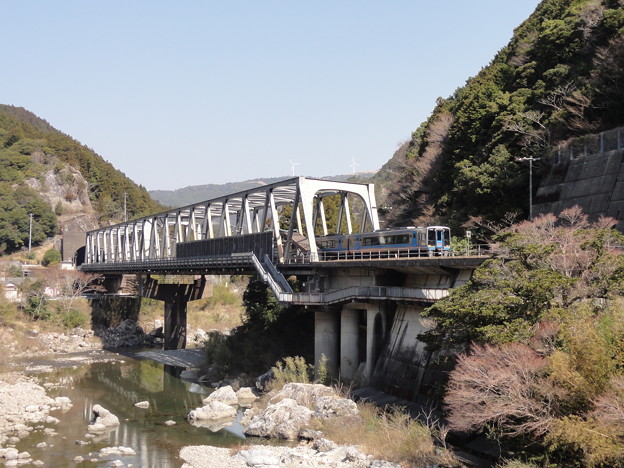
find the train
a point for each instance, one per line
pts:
(401, 242)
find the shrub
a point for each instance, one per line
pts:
(8, 310)
(51, 257)
(500, 387)
(321, 372)
(294, 369)
(222, 295)
(72, 319)
(218, 351)
(35, 303)
(15, 271)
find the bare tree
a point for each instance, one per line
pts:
(501, 387)
(535, 134)
(412, 187)
(557, 98)
(609, 407)
(70, 284)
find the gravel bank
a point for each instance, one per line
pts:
(264, 456)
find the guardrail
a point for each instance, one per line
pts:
(479, 250)
(233, 261)
(272, 278)
(429, 295)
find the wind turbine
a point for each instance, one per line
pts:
(292, 167)
(353, 165)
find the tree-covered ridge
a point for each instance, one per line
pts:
(560, 76)
(30, 148)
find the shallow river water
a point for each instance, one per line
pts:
(117, 385)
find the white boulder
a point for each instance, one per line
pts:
(224, 395)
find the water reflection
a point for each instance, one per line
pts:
(117, 386)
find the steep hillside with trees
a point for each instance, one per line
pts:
(51, 175)
(560, 76)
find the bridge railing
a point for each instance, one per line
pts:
(479, 250)
(369, 292)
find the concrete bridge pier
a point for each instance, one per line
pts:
(176, 298)
(351, 338)
(175, 320)
(327, 338)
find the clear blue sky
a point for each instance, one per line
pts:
(195, 92)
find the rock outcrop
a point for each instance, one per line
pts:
(125, 335)
(281, 420)
(291, 409)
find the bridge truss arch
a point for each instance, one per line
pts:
(238, 217)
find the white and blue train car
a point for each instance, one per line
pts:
(402, 242)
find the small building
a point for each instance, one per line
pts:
(12, 289)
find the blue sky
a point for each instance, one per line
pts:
(196, 92)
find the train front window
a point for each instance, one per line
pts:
(431, 237)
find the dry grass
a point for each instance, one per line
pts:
(222, 311)
(391, 436)
(222, 317)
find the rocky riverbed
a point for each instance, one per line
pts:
(31, 411)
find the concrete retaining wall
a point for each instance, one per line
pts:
(405, 368)
(595, 182)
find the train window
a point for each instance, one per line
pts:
(371, 241)
(327, 244)
(398, 239)
(431, 236)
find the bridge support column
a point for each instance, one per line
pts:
(175, 322)
(176, 298)
(375, 331)
(349, 343)
(327, 338)
(362, 331)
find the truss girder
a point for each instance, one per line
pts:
(251, 211)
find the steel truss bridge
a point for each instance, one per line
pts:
(267, 230)
(236, 221)
(252, 230)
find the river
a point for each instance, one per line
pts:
(117, 382)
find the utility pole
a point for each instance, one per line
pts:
(530, 159)
(30, 232)
(125, 212)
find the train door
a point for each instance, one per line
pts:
(443, 239)
(431, 239)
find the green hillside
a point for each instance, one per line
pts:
(560, 76)
(32, 151)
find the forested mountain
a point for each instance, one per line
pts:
(49, 174)
(560, 76)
